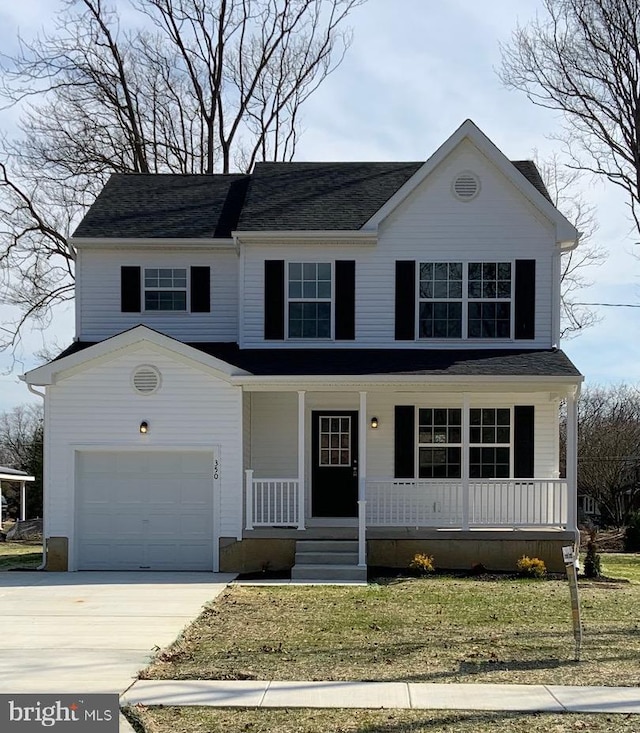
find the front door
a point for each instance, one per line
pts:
(334, 476)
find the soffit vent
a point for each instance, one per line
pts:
(145, 379)
(466, 186)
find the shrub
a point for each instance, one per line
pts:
(592, 560)
(632, 534)
(422, 563)
(531, 567)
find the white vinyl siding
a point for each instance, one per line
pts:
(98, 294)
(431, 225)
(96, 408)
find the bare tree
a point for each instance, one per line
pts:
(21, 432)
(582, 58)
(190, 86)
(562, 185)
(609, 450)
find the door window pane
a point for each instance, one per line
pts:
(335, 441)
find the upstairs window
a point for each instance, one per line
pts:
(464, 300)
(165, 289)
(309, 291)
(489, 290)
(440, 293)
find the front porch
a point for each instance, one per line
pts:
(339, 447)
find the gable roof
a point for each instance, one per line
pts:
(152, 205)
(566, 234)
(276, 197)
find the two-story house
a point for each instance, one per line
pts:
(318, 365)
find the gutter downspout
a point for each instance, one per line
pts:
(32, 389)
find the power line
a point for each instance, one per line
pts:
(613, 305)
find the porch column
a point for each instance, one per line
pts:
(248, 498)
(572, 462)
(301, 448)
(23, 501)
(465, 462)
(362, 481)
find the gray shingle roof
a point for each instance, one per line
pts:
(313, 196)
(165, 205)
(280, 196)
(368, 362)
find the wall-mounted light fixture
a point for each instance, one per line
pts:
(374, 423)
(144, 427)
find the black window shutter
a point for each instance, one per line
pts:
(130, 289)
(274, 299)
(523, 439)
(404, 441)
(200, 290)
(525, 299)
(405, 300)
(345, 316)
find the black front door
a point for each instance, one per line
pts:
(334, 473)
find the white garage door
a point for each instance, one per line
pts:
(144, 510)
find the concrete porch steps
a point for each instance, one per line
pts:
(327, 560)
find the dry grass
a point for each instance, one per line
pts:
(23, 555)
(208, 720)
(439, 629)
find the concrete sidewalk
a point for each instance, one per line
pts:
(410, 695)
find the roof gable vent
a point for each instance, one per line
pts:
(466, 186)
(145, 379)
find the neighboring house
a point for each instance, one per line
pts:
(316, 352)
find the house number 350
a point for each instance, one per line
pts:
(216, 470)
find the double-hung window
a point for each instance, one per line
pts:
(309, 289)
(440, 309)
(464, 300)
(489, 308)
(439, 443)
(165, 289)
(489, 442)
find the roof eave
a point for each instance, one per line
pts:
(165, 242)
(548, 381)
(308, 234)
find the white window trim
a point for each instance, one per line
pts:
(186, 290)
(466, 444)
(419, 445)
(331, 301)
(465, 300)
(509, 445)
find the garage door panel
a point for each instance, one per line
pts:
(193, 556)
(144, 510)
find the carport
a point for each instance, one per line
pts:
(20, 477)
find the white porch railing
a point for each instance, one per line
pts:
(272, 502)
(491, 503)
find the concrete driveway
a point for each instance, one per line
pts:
(92, 631)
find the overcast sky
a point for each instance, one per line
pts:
(416, 70)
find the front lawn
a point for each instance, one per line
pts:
(216, 720)
(23, 555)
(441, 629)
